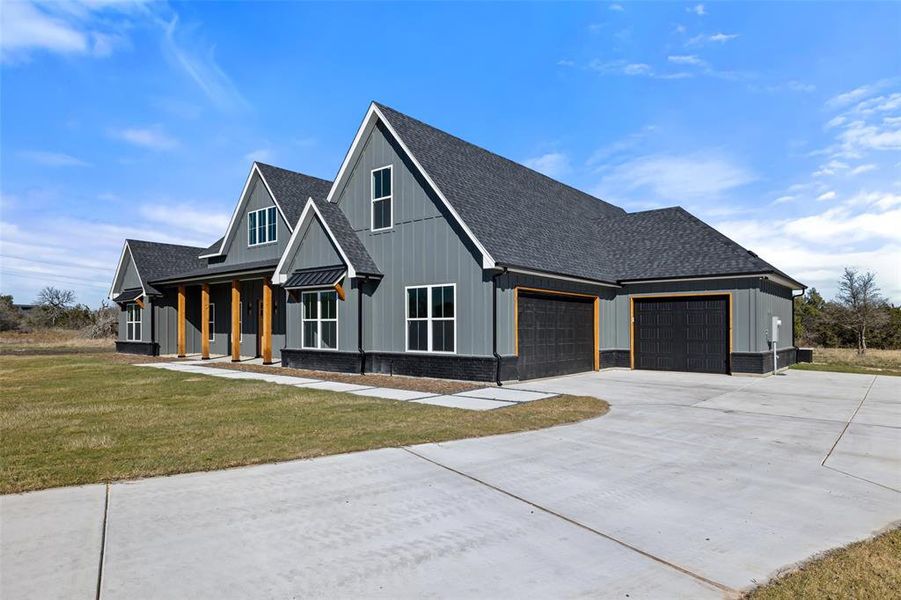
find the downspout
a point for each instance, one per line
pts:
(153, 349)
(360, 282)
(497, 357)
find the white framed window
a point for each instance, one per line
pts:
(319, 320)
(134, 318)
(432, 318)
(262, 226)
(212, 321)
(382, 209)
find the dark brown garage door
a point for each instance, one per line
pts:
(556, 335)
(682, 334)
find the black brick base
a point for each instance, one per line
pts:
(804, 355)
(614, 358)
(450, 366)
(321, 360)
(759, 363)
(142, 348)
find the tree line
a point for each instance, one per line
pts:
(56, 308)
(858, 317)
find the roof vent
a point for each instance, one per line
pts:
(754, 254)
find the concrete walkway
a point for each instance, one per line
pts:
(693, 486)
(483, 399)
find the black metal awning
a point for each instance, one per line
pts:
(128, 295)
(319, 277)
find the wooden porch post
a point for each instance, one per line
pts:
(181, 321)
(236, 320)
(205, 321)
(266, 342)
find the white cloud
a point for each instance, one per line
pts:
(688, 59)
(675, 178)
(637, 69)
(552, 164)
(836, 121)
(146, 137)
(76, 27)
(52, 159)
(856, 95)
(616, 7)
(24, 28)
(864, 232)
(198, 61)
(830, 195)
(863, 169)
(632, 69)
(697, 9)
(783, 199)
(207, 223)
(719, 38)
(565, 63)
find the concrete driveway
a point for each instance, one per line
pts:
(693, 486)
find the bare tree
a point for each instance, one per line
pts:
(55, 302)
(862, 303)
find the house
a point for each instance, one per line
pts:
(430, 256)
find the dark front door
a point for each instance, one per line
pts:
(556, 335)
(682, 334)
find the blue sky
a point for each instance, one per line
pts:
(780, 124)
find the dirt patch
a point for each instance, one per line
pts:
(416, 384)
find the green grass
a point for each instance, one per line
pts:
(869, 569)
(845, 360)
(77, 419)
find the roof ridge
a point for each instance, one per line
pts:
(504, 158)
(293, 172)
(129, 240)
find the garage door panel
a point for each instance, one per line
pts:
(682, 334)
(556, 335)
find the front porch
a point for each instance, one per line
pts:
(237, 319)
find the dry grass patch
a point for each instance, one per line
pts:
(416, 384)
(868, 569)
(847, 360)
(52, 341)
(77, 419)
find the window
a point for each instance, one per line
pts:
(212, 321)
(240, 321)
(133, 319)
(261, 226)
(381, 199)
(319, 319)
(431, 322)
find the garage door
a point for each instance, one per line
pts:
(682, 334)
(556, 335)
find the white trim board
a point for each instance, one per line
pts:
(242, 201)
(281, 276)
(368, 124)
(112, 288)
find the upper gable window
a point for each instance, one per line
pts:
(261, 226)
(381, 199)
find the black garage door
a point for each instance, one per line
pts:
(556, 335)
(682, 334)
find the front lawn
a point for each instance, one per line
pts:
(869, 569)
(847, 360)
(88, 418)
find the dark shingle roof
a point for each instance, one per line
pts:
(525, 219)
(256, 265)
(291, 189)
(673, 243)
(213, 248)
(347, 238)
(156, 261)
